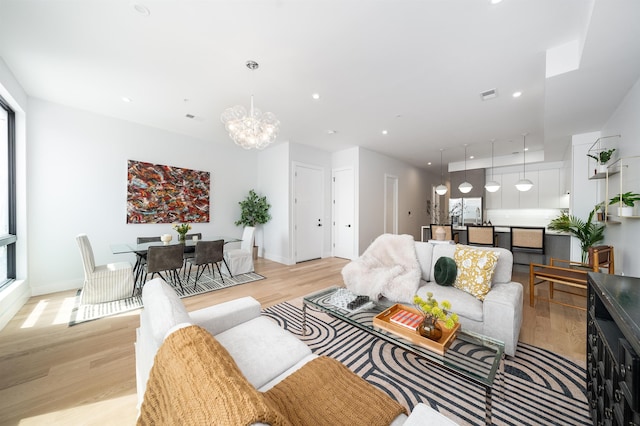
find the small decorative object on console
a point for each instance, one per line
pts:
(434, 314)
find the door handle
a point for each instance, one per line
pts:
(348, 226)
(319, 224)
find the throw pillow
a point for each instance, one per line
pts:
(445, 271)
(475, 270)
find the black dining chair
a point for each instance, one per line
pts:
(207, 253)
(165, 259)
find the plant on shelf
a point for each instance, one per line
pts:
(254, 210)
(589, 233)
(628, 199)
(603, 156)
(626, 203)
(434, 312)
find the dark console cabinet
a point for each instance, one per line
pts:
(613, 345)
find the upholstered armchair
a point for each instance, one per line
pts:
(103, 283)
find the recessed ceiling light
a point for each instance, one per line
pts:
(127, 100)
(526, 149)
(471, 157)
(517, 94)
(141, 9)
(495, 1)
(316, 96)
(332, 132)
(429, 163)
(385, 132)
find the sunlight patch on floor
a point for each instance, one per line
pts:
(33, 317)
(63, 314)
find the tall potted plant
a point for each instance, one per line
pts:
(589, 233)
(254, 210)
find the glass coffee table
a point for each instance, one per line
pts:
(476, 358)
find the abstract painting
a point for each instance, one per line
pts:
(166, 194)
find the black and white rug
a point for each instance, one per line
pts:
(206, 283)
(541, 388)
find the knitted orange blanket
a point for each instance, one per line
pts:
(194, 380)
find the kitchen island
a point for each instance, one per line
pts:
(557, 244)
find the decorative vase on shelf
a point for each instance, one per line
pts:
(430, 328)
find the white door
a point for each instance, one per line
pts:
(390, 204)
(308, 210)
(344, 214)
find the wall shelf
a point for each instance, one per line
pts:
(628, 169)
(595, 169)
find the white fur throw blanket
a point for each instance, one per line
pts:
(389, 267)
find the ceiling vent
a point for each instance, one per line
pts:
(489, 94)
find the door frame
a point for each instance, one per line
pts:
(394, 206)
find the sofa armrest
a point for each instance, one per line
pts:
(218, 318)
(503, 314)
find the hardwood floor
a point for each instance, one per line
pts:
(54, 374)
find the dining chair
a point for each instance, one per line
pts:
(478, 235)
(165, 259)
(103, 283)
(240, 261)
(190, 252)
(141, 259)
(207, 253)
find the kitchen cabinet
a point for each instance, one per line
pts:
(549, 184)
(510, 195)
(548, 192)
(529, 199)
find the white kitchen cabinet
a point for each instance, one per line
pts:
(510, 195)
(494, 199)
(529, 199)
(549, 184)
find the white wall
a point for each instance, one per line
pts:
(625, 236)
(414, 188)
(273, 176)
(77, 178)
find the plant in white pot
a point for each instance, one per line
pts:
(602, 158)
(254, 210)
(626, 203)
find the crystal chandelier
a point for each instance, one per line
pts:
(253, 130)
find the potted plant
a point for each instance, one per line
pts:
(626, 203)
(589, 233)
(433, 314)
(254, 210)
(602, 158)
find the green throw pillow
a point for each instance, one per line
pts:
(445, 271)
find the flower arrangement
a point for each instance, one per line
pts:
(435, 311)
(182, 229)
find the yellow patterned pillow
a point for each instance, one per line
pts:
(475, 270)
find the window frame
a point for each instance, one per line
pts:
(9, 240)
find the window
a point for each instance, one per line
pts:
(7, 195)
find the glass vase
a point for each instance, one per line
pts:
(430, 329)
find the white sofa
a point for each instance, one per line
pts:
(264, 352)
(500, 314)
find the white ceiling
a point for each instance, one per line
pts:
(414, 68)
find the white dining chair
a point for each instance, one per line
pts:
(103, 283)
(240, 261)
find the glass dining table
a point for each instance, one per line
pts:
(140, 249)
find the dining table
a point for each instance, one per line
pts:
(140, 249)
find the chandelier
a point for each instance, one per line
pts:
(252, 130)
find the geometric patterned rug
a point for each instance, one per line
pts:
(206, 283)
(541, 387)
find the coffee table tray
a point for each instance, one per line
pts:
(382, 320)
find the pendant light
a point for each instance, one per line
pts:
(524, 184)
(441, 189)
(465, 187)
(492, 185)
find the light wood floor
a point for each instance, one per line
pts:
(54, 374)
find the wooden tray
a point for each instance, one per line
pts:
(382, 321)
